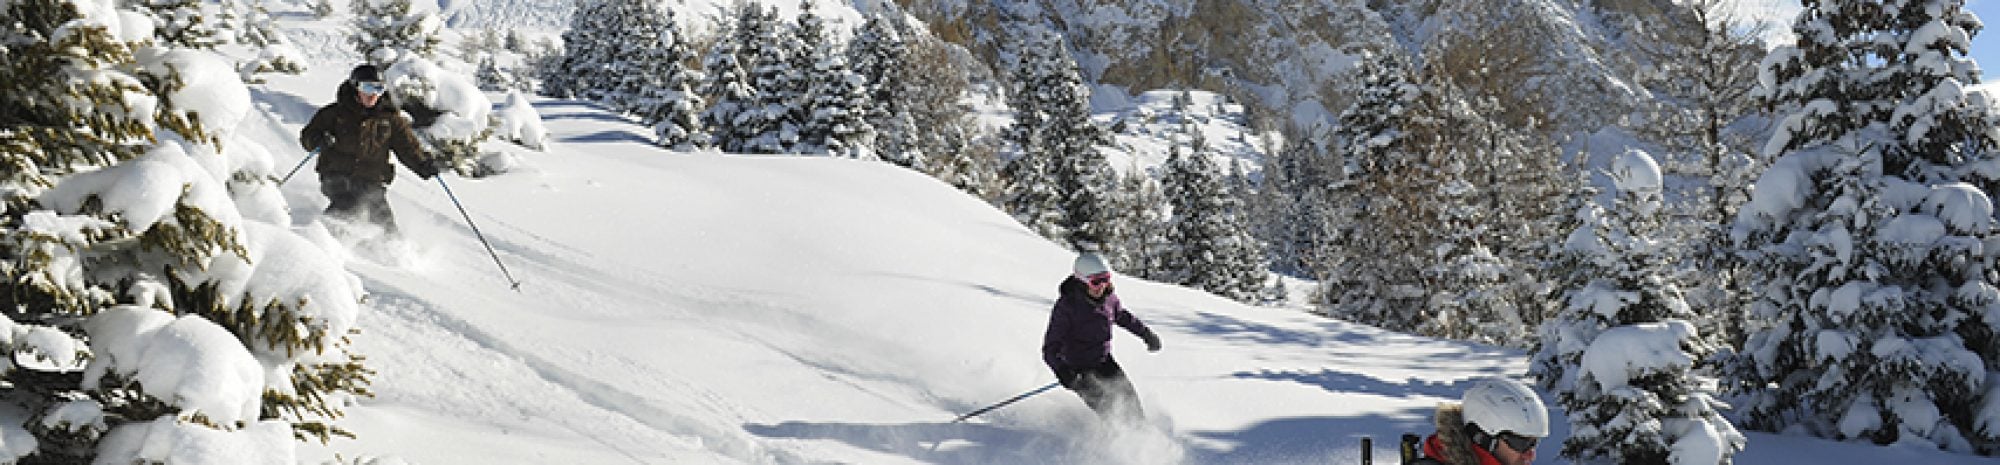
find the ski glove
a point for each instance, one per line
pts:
(1067, 376)
(1152, 341)
(426, 170)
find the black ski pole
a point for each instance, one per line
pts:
(302, 164)
(1367, 450)
(1004, 403)
(997, 406)
(516, 285)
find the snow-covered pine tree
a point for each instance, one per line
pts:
(770, 123)
(942, 127)
(586, 54)
(726, 81)
(94, 255)
(1031, 192)
(805, 52)
(1066, 138)
(489, 76)
(1287, 213)
(387, 31)
(1866, 232)
(1375, 257)
(650, 77)
(320, 8)
(673, 108)
(447, 109)
(228, 21)
(275, 53)
(881, 56)
(1143, 215)
(1247, 264)
(1620, 355)
(1210, 238)
(1701, 71)
(839, 119)
(180, 23)
(634, 29)
(1466, 298)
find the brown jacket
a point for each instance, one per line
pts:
(1450, 445)
(362, 139)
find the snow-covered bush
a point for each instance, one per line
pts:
(390, 31)
(128, 196)
(448, 109)
(520, 123)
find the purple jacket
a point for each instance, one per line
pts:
(1079, 334)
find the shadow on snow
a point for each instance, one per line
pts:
(971, 443)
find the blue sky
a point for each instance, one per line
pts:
(1986, 45)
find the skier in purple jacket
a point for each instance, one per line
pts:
(1077, 344)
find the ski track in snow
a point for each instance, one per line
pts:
(395, 302)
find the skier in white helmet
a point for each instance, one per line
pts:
(1077, 343)
(1499, 422)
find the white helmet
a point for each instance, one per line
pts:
(1089, 263)
(1500, 405)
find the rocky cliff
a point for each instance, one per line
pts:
(1560, 65)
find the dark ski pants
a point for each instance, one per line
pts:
(357, 200)
(1106, 390)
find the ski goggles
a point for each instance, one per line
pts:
(1098, 280)
(1518, 442)
(370, 87)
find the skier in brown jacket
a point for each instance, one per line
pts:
(355, 135)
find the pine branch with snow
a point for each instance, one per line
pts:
(137, 199)
(389, 31)
(1866, 232)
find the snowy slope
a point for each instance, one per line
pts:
(707, 308)
(711, 308)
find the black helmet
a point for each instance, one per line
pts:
(365, 73)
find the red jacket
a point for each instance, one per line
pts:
(1434, 450)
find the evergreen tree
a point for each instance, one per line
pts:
(582, 68)
(387, 31)
(1376, 255)
(839, 121)
(1701, 71)
(1032, 194)
(1874, 317)
(1053, 123)
(180, 23)
(1628, 295)
(727, 82)
(489, 76)
(1145, 219)
(771, 122)
(320, 8)
(881, 56)
(941, 127)
(1290, 211)
(114, 216)
(1442, 212)
(651, 75)
(633, 35)
(1213, 248)
(275, 52)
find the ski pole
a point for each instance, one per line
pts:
(302, 164)
(989, 408)
(1367, 450)
(475, 233)
(1004, 403)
